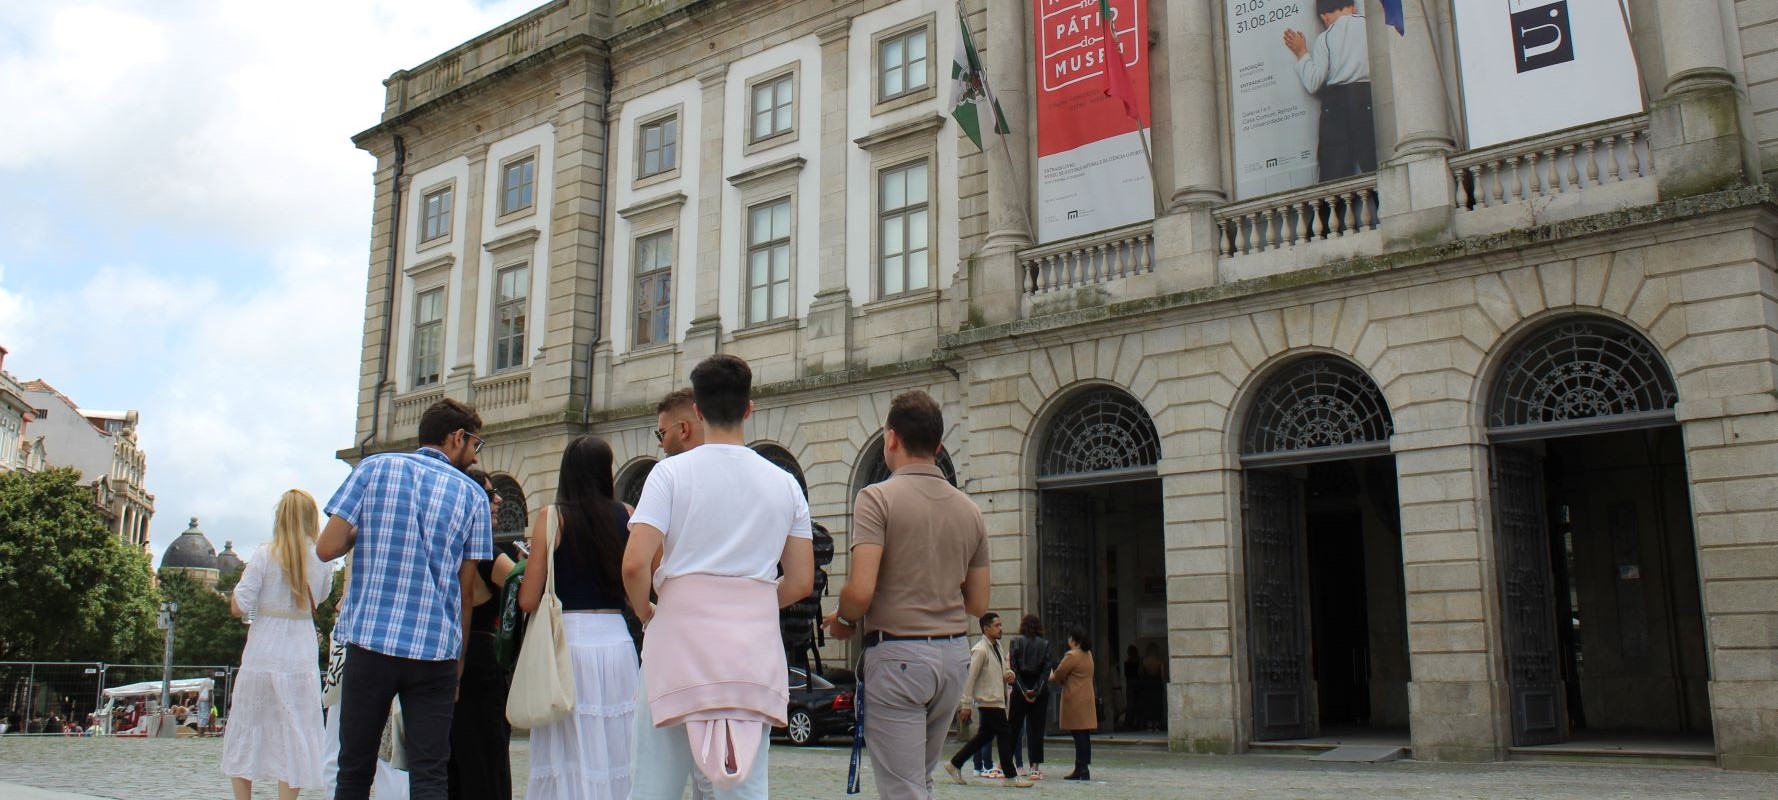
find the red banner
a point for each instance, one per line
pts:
(1072, 109)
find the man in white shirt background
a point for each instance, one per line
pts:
(1336, 69)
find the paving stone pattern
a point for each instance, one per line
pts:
(188, 768)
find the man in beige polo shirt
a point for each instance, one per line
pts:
(919, 572)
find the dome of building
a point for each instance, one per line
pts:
(192, 550)
(228, 562)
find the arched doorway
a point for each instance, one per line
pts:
(1326, 605)
(1101, 563)
(513, 518)
(784, 461)
(873, 469)
(1602, 619)
(632, 479)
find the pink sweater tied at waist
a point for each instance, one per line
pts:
(713, 661)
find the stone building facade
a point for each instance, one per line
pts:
(1475, 451)
(103, 446)
(15, 416)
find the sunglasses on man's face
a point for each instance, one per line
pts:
(660, 436)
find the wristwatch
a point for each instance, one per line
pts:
(842, 620)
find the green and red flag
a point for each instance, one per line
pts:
(971, 99)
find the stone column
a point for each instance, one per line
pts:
(1696, 133)
(704, 335)
(1186, 241)
(1415, 185)
(829, 329)
(996, 295)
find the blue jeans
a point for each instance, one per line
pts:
(663, 761)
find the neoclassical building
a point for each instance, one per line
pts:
(103, 446)
(1471, 447)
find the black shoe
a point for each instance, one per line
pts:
(1079, 774)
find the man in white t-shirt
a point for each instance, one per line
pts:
(721, 519)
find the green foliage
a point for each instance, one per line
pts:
(328, 614)
(74, 591)
(207, 632)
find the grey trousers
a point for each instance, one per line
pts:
(911, 691)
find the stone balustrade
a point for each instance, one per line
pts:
(1562, 163)
(502, 391)
(1303, 217)
(1100, 258)
(409, 408)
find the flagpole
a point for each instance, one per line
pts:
(1154, 181)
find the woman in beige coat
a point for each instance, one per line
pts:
(1079, 714)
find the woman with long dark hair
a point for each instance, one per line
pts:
(480, 736)
(1079, 714)
(1030, 703)
(585, 755)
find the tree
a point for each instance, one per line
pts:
(206, 633)
(74, 591)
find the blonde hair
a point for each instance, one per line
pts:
(297, 526)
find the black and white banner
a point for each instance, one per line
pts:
(1535, 66)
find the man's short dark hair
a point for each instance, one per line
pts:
(1330, 6)
(676, 400)
(916, 418)
(446, 417)
(988, 619)
(721, 385)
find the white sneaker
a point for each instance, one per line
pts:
(956, 774)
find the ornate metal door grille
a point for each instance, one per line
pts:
(1102, 430)
(1539, 705)
(1276, 606)
(629, 485)
(1581, 369)
(511, 521)
(1319, 402)
(1065, 555)
(784, 461)
(876, 470)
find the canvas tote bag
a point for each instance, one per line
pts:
(543, 682)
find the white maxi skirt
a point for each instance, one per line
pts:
(586, 755)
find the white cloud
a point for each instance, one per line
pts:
(219, 127)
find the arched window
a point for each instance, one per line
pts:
(1103, 432)
(510, 522)
(630, 483)
(1316, 408)
(873, 469)
(784, 460)
(1580, 372)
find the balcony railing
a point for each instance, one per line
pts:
(1101, 258)
(502, 391)
(1562, 163)
(409, 408)
(1317, 213)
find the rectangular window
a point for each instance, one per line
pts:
(660, 146)
(511, 289)
(768, 261)
(902, 64)
(654, 288)
(428, 337)
(903, 228)
(774, 104)
(518, 182)
(435, 216)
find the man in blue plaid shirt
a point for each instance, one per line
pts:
(419, 525)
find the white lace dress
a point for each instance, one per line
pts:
(274, 723)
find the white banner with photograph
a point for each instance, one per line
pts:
(1535, 66)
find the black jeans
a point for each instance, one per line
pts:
(993, 727)
(426, 689)
(1034, 716)
(1083, 748)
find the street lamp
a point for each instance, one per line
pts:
(169, 615)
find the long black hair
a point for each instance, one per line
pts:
(591, 539)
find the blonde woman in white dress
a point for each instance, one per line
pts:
(274, 730)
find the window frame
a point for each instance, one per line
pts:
(497, 337)
(675, 115)
(503, 214)
(637, 274)
(788, 242)
(447, 233)
(907, 97)
(414, 330)
(880, 214)
(793, 74)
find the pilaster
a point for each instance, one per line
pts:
(1696, 136)
(704, 335)
(829, 331)
(995, 295)
(1415, 183)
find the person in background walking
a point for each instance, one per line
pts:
(585, 755)
(275, 730)
(1028, 713)
(919, 570)
(984, 693)
(419, 526)
(480, 736)
(1080, 713)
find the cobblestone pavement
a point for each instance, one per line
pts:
(187, 768)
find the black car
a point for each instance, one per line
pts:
(817, 708)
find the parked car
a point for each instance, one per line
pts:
(817, 708)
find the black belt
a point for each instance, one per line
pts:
(875, 638)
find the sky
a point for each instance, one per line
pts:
(184, 227)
